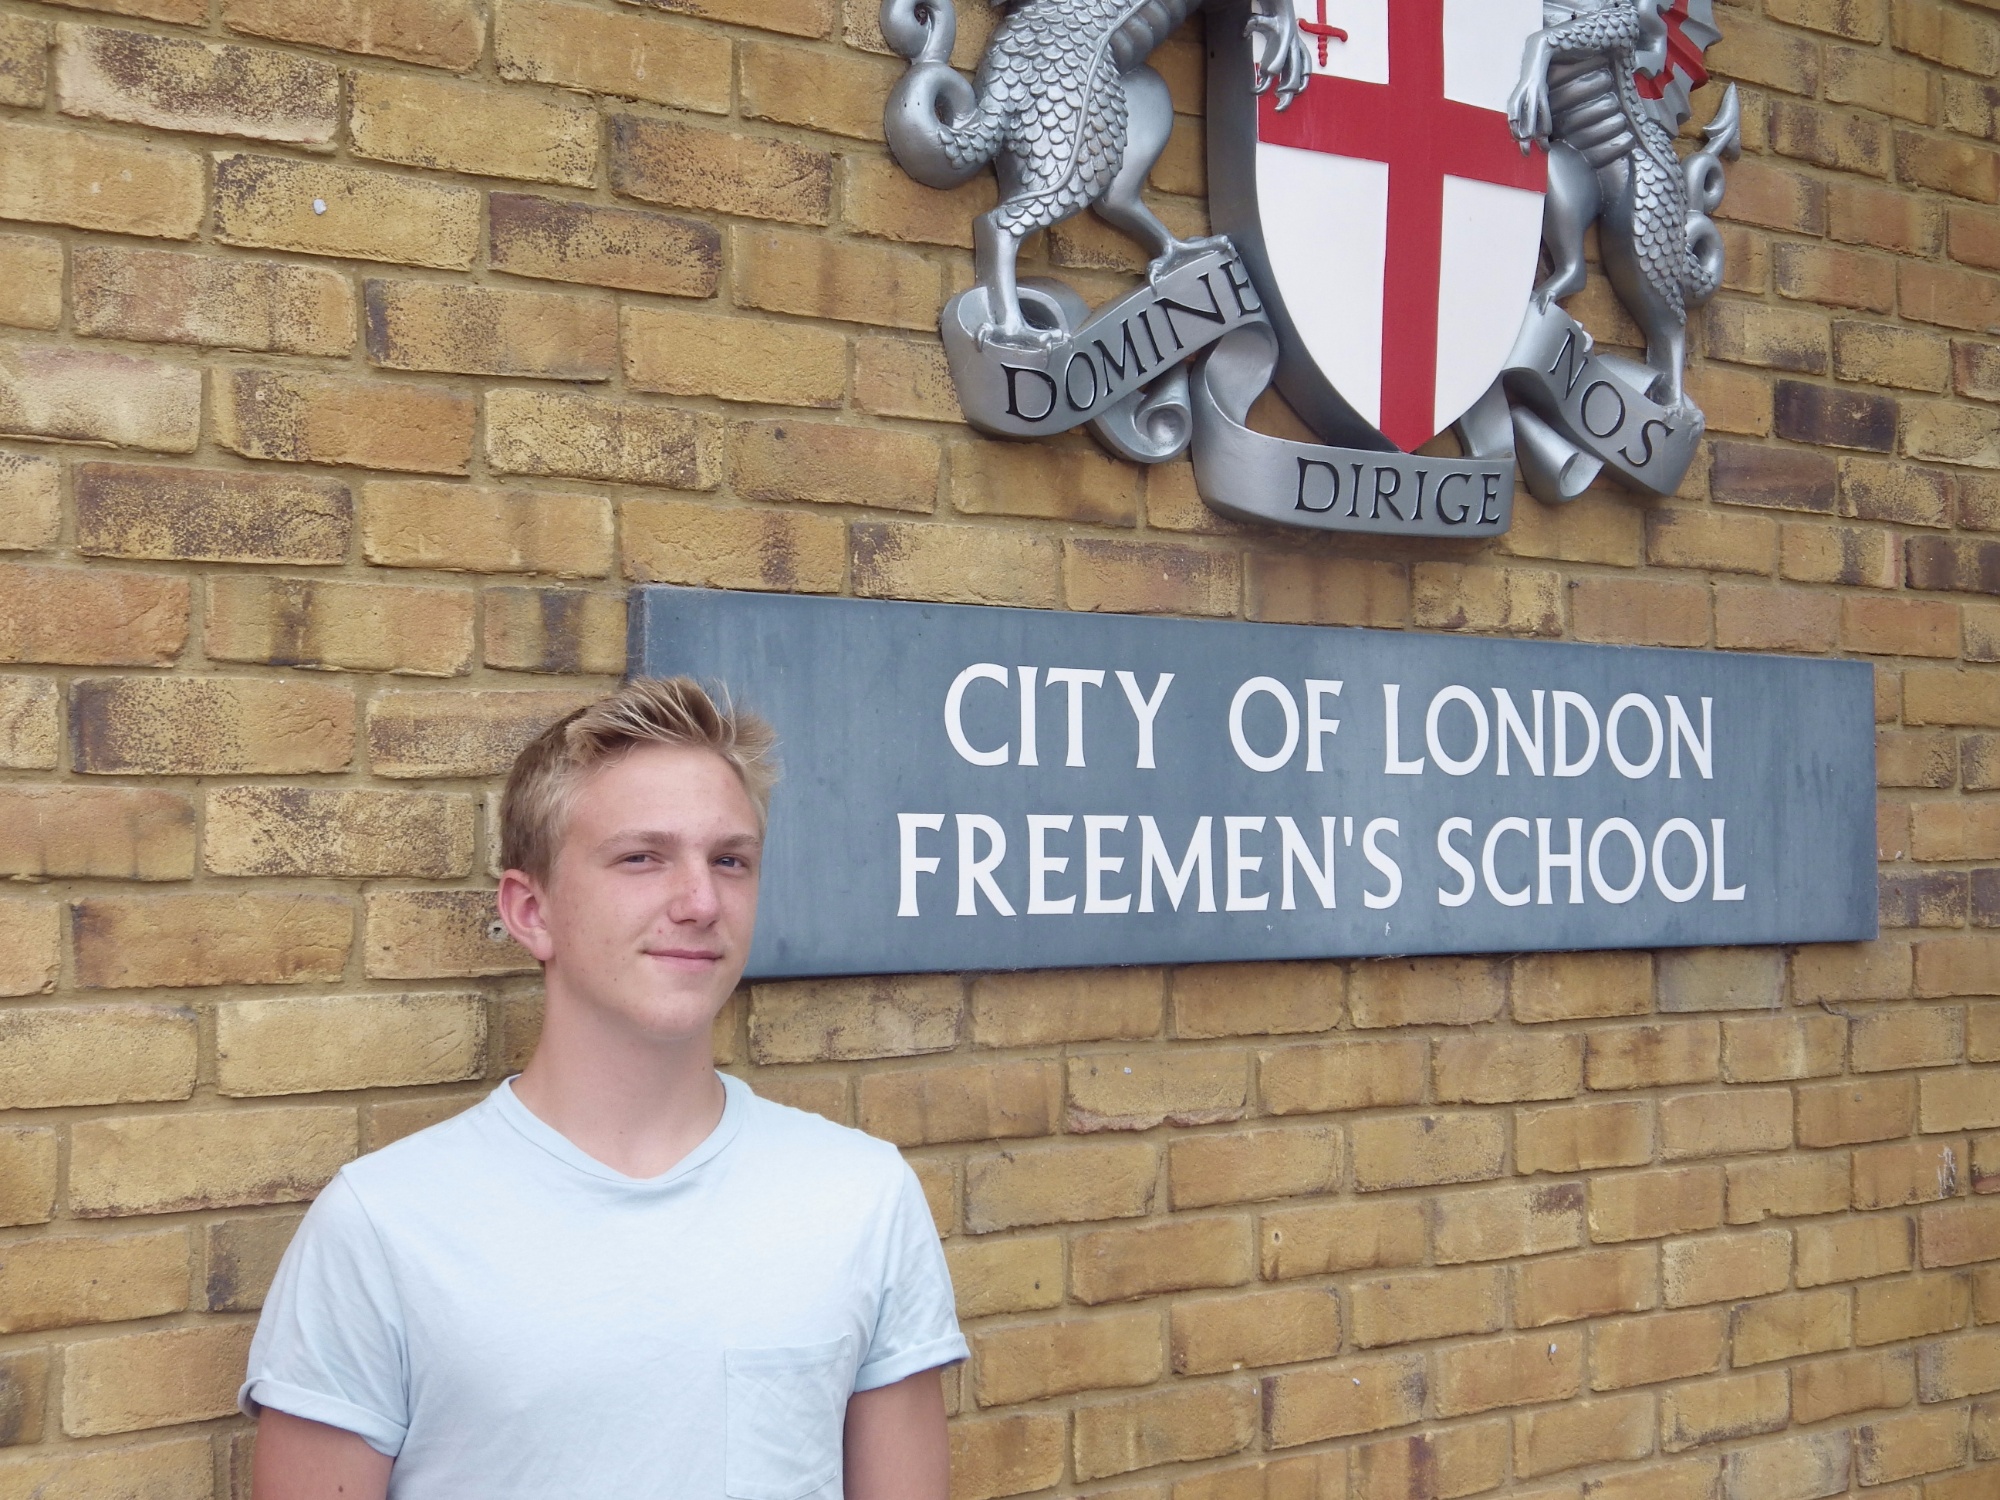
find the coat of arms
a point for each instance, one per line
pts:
(1401, 190)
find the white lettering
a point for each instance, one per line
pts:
(1510, 724)
(1241, 864)
(954, 704)
(1460, 865)
(1617, 895)
(1286, 703)
(1096, 865)
(1145, 710)
(1153, 857)
(1076, 679)
(1701, 751)
(1480, 732)
(976, 874)
(1547, 859)
(1386, 863)
(1297, 851)
(1316, 724)
(1633, 770)
(1027, 676)
(1494, 888)
(1693, 835)
(914, 864)
(1042, 864)
(1723, 890)
(1392, 744)
(1565, 703)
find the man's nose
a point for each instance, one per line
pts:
(695, 897)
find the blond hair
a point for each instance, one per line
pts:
(548, 773)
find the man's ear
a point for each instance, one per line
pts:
(523, 904)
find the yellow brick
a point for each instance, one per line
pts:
(1299, 590)
(1887, 1312)
(1426, 992)
(1958, 1100)
(1628, 1057)
(424, 325)
(1505, 1222)
(210, 515)
(437, 33)
(460, 733)
(63, 175)
(1725, 1268)
(27, 1182)
(360, 627)
(1787, 1326)
(1957, 1234)
(544, 432)
(1582, 1432)
(1315, 1476)
(81, 395)
(92, 617)
(1341, 1077)
(327, 1043)
(1439, 1304)
(1521, 1370)
(24, 68)
(683, 165)
(1769, 1049)
(1068, 483)
(1059, 1185)
(682, 353)
(1710, 1411)
(976, 1102)
(1340, 1400)
(679, 541)
(1952, 1369)
(433, 934)
(24, 1381)
(474, 128)
(102, 832)
(388, 1122)
(1844, 1383)
(1170, 1426)
(560, 239)
(1564, 1288)
(177, 83)
(240, 1257)
(1805, 1465)
(55, 1283)
(419, 523)
(1726, 1123)
(162, 296)
(838, 1019)
(1689, 1479)
(1697, 979)
(1006, 1455)
(1138, 1090)
(955, 564)
(1112, 1265)
(1854, 1249)
(1035, 1008)
(213, 725)
(903, 378)
(1315, 1241)
(30, 946)
(563, 631)
(834, 464)
(176, 1469)
(1838, 1114)
(1215, 1000)
(1003, 1276)
(267, 202)
(1852, 971)
(1646, 1205)
(1582, 1137)
(839, 92)
(1663, 1346)
(1253, 1165)
(60, 1055)
(1424, 1150)
(1920, 1443)
(1498, 1069)
(156, 1379)
(628, 56)
(1258, 1328)
(1785, 1187)
(30, 501)
(1508, 601)
(126, 942)
(137, 1164)
(1031, 1361)
(288, 418)
(785, 271)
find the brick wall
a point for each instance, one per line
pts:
(360, 353)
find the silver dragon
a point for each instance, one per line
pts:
(1612, 159)
(1068, 113)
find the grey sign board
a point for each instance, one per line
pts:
(971, 788)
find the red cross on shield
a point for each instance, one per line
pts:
(1396, 220)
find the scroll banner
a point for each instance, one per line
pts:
(971, 788)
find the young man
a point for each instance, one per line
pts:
(621, 1275)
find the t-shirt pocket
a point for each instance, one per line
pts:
(786, 1408)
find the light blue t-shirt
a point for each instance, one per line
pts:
(506, 1316)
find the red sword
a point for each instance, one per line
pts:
(1322, 33)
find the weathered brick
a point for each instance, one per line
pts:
(629, 57)
(437, 33)
(81, 395)
(1316, 1241)
(92, 617)
(1029, 1362)
(1812, 552)
(1763, 619)
(1582, 1432)
(1955, 1100)
(1253, 1165)
(976, 1102)
(193, 726)
(210, 515)
(1002, 1276)
(565, 631)
(1261, 999)
(1582, 1137)
(1699, 537)
(1775, 338)
(1916, 758)
(1115, 1265)
(1515, 1371)
(1861, 971)
(127, 942)
(295, 418)
(1663, 1346)
(955, 564)
(557, 239)
(1169, 1426)
(449, 126)
(137, 1164)
(364, 214)
(1885, 354)
(275, 830)
(584, 437)
(325, 1043)
(24, 1381)
(1919, 1443)
(417, 523)
(1726, 1123)
(63, 1055)
(1953, 1369)
(1776, 197)
(1713, 1411)
(1070, 484)
(438, 935)
(1037, 1008)
(1007, 1455)
(24, 65)
(1419, 992)
(1340, 1400)
(72, 1279)
(1725, 1268)
(155, 1379)
(1647, 1205)
(30, 946)
(1889, 1312)
(680, 541)
(1423, 1150)
(1844, 1383)
(177, 83)
(30, 501)
(810, 1020)
(1779, 478)
(1957, 1234)
(838, 92)
(422, 325)
(1804, 1467)
(52, 175)
(1136, 1091)
(1507, 1068)
(903, 378)
(1508, 601)
(1845, 1113)
(682, 165)
(684, 353)
(240, 1257)
(459, 733)
(1259, 1328)
(294, 622)
(834, 464)
(1564, 1288)
(791, 17)
(1446, 1461)
(1571, 986)
(27, 1194)
(1306, 590)
(1627, 1057)
(1507, 1222)
(1059, 1185)
(30, 723)
(820, 277)
(1904, 1172)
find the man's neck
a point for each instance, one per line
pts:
(637, 1104)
